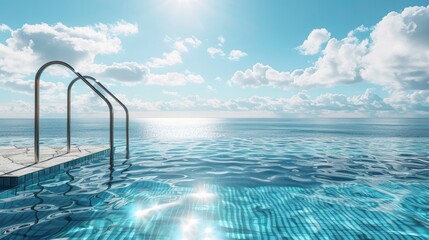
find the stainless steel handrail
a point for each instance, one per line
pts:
(37, 107)
(108, 92)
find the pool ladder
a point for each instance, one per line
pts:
(85, 80)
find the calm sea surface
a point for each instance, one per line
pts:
(228, 179)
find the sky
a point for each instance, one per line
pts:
(219, 58)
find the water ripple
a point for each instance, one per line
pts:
(358, 186)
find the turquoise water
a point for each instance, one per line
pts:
(229, 179)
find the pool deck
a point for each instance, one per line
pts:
(17, 163)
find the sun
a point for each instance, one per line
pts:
(188, 13)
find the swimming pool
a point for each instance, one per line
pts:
(230, 179)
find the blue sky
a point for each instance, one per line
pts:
(221, 58)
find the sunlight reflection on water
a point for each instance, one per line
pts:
(229, 179)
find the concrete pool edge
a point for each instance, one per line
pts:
(33, 172)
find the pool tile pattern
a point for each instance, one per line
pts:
(17, 163)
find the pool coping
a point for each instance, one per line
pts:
(21, 174)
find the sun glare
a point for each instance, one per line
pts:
(183, 3)
(186, 14)
(193, 5)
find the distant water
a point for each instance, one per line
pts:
(229, 179)
(211, 128)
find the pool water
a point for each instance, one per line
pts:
(229, 179)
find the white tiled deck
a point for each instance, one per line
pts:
(17, 163)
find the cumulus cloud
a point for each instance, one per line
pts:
(174, 79)
(22, 108)
(314, 41)
(18, 62)
(303, 103)
(368, 104)
(221, 40)
(193, 41)
(169, 59)
(87, 102)
(121, 27)
(340, 63)
(17, 107)
(211, 88)
(213, 52)
(369, 101)
(358, 30)
(125, 72)
(236, 55)
(261, 75)
(175, 56)
(131, 73)
(27, 87)
(395, 56)
(300, 103)
(31, 45)
(399, 51)
(4, 28)
(170, 93)
(407, 101)
(75, 45)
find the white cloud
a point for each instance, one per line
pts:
(341, 62)
(314, 41)
(302, 103)
(369, 104)
(27, 87)
(87, 102)
(16, 107)
(399, 51)
(221, 40)
(180, 46)
(211, 88)
(32, 45)
(17, 61)
(407, 101)
(169, 59)
(24, 109)
(174, 79)
(261, 75)
(170, 93)
(124, 72)
(130, 73)
(193, 41)
(5, 28)
(213, 52)
(236, 55)
(175, 56)
(357, 30)
(121, 27)
(395, 57)
(369, 101)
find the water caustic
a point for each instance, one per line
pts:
(218, 182)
